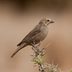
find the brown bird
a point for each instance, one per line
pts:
(37, 35)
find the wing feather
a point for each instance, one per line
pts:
(34, 32)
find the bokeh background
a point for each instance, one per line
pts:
(18, 17)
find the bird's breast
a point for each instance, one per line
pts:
(44, 32)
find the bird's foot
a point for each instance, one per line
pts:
(38, 51)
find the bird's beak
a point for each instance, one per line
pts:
(52, 21)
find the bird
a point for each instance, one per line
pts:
(35, 36)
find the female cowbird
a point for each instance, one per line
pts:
(34, 37)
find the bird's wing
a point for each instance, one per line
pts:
(35, 31)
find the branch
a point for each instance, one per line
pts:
(38, 60)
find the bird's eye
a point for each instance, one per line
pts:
(48, 20)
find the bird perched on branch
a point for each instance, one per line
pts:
(34, 37)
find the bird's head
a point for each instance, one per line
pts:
(46, 21)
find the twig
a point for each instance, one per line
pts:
(38, 60)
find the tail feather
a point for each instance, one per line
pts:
(18, 49)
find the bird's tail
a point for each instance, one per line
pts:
(18, 49)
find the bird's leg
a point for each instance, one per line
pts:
(39, 44)
(37, 47)
(36, 50)
(33, 47)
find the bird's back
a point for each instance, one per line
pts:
(36, 35)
